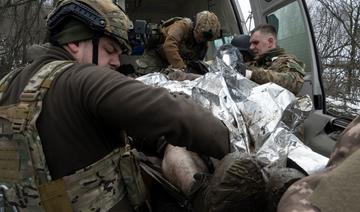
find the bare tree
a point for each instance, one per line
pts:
(22, 24)
(337, 30)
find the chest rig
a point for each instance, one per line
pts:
(25, 181)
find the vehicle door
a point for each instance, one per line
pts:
(295, 34)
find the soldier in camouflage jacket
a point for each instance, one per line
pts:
(181, 41)
(271, 63)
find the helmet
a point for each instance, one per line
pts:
(207, 23)
(103, 17)
(242, 42)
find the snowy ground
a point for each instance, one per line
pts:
(338, 106)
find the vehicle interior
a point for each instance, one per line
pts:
(295, 34)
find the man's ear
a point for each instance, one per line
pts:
(72, 47)
(271, 42)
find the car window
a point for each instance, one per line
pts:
(336, 36)
(291, 32)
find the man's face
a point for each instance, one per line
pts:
(261, 43)
(108, 53)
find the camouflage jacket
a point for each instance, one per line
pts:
(278, 67)
(178, 44)
(336, 188)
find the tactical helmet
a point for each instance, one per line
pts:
(103, 17)
(242, 42)
(208, 24)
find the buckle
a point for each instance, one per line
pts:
(3, 206)
(18, 125)
(29, 96)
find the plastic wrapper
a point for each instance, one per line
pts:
(261, 119)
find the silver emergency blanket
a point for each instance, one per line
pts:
(262, 119)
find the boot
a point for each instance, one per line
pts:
(236, 185)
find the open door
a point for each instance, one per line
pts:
(295, 34)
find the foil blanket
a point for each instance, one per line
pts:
(262, 119)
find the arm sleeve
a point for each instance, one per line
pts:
(286, 76)
(175, 33)
(152, 112)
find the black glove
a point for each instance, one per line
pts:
(197, 67)
(181, 76)
(149, 146)
(126, 69)
(241, 68)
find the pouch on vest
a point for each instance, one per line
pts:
(130, 171)
(154, 31)
(170, 21)
(154, 35)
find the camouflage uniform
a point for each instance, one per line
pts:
(177, 47)
(278, 67)
(337, 187)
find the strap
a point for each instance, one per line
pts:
(170, 21)
(32, 97)
(4, 82)
(172, 190)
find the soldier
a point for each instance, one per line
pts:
(63, 118)
(181, 41)
(337, 187)
(271, 63)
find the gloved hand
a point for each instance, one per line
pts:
(181, 76)
(241, 68)
(126, 69)
(197, 67)
(150, 146)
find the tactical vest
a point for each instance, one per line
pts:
(189, 49)
(25, 181)
(155, 33)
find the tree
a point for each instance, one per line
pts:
(23, 24)
(337, 30)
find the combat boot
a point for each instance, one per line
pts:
(236, 185)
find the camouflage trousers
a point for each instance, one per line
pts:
(151, 61)
(337, 187)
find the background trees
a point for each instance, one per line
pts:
(22, 24)
(337, 31)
